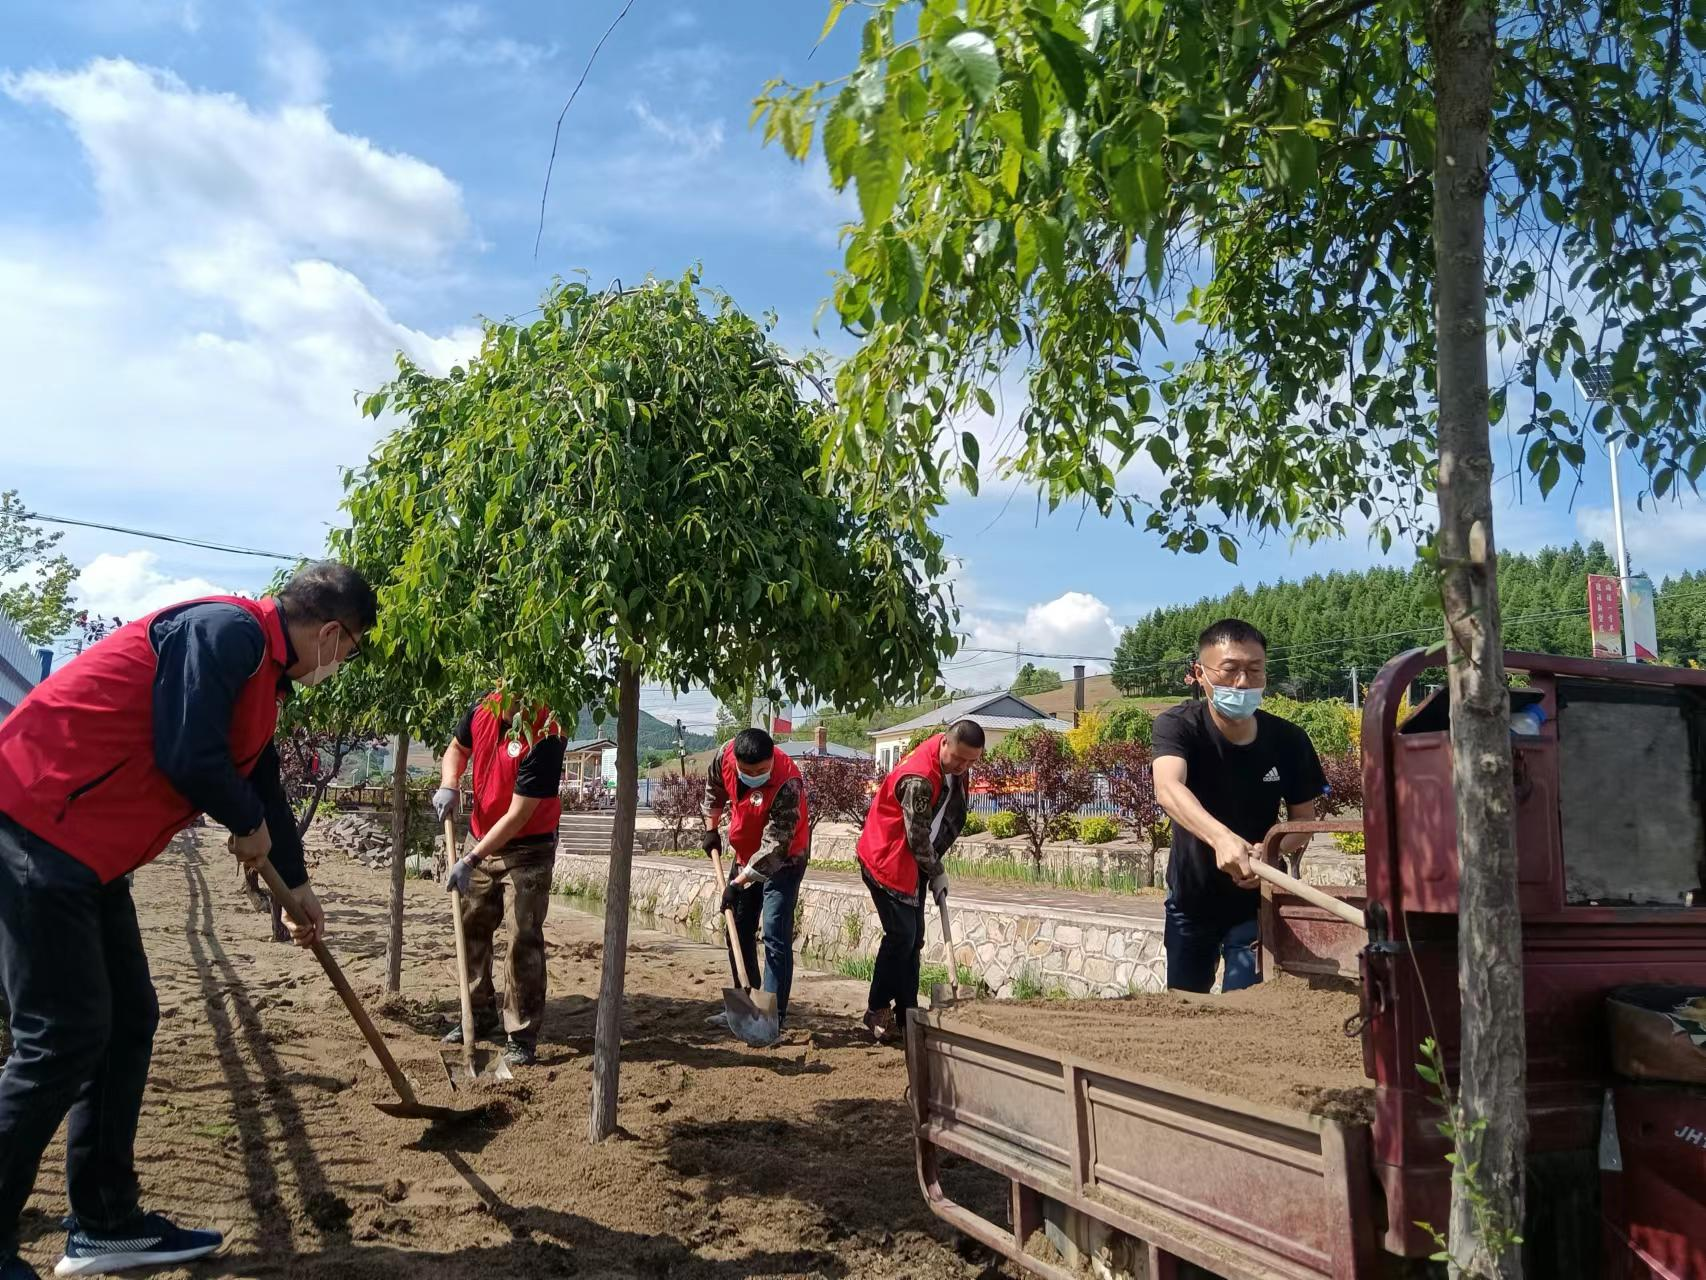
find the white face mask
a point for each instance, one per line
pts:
(322, 671)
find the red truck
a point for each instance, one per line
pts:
(1126, 1174)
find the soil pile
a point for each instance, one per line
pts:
(1281, 1042)
(794, 1161)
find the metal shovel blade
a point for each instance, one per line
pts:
(752, 1016)
(943, 995)
(481, 1064)
(426, 1111)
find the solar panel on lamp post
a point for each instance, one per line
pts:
(1595, 384)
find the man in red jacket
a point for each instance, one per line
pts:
(918, 813)
(770, 838)
(517, 808)
(100, 766)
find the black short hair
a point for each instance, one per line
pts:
(966, 733)
(1230, 631)
(753, 745)
(326, 591)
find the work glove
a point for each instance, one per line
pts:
(462, 874)
(939, 889)
(729, 891)
(713, 841)
(444, 803)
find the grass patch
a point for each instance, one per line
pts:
(217, 1132)
(864, 967)
(1093, 880)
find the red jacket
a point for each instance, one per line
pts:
(750, 814)
(497, 759)
(77, 763)
(882, 844)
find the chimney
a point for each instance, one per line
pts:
(1078, 687)
(822, 740)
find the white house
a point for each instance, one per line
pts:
(999, 713)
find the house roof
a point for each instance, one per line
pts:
(588, 744)
(801, 749)
(997, 710)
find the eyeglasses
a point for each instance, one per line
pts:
(354, 644)
(1231, 671)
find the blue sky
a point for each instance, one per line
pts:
(222, 219)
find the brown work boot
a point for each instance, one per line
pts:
(880, 1023)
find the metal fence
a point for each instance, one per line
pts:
(20, 666)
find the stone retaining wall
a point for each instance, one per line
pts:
(1079, 953)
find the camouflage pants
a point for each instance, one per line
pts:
(527, 873)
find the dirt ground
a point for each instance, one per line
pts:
(1281, 1042)
(734, 1162)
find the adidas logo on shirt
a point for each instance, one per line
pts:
(1272, 775)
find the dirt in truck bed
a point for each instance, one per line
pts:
(1281, 1042)
(794, 1161)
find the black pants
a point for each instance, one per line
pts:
(894, 983)
(83, 1013)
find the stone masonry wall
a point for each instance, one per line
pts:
(1078, 953)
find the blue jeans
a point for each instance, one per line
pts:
(772, 905)
(1197, 944)
(83, 1014)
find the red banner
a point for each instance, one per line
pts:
(1605, 615)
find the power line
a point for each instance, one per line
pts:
(227, 548)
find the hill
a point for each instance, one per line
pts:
(1321, 628)
(655, 734)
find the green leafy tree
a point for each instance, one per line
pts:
(630, 486)
(1035, 679)
(1306, 184)
(38, 599)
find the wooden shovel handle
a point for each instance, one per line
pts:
(1309, 893)
(352, 1002)
(729, 924)
(948, 946)
(461, 954)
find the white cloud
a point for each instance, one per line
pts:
(292, 63)
(1662, 541)
(696, 138)
(192, 362)
(684, 71)
(1074, 622)
(453, 36)
(130, 585)
(173, 163)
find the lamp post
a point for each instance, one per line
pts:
(1595, 384)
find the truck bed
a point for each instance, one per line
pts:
(1096, 1123)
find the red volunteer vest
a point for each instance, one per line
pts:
(497, 759)
(77, 756)
(750, 815)
(882, 844)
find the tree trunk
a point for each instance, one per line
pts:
(1491, 1120)
(607, 1032)
(399, 862)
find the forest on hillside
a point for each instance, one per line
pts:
(1321, 628)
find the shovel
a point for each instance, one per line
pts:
(752, 1014)
(470, 1063)
(1309, 893)
(407, 1106)
(945, 995)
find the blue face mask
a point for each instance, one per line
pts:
(1236, 704)
(753, 780)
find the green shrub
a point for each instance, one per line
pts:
(1016, 745)
(975, 825)
(1329, 722)
(1027, 985)
(1350, 842)
(1097, 830)
(1127, 721)
(1003, 824)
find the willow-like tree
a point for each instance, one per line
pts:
(630, 487)
(1304, 187)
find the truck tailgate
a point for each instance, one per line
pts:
(1249, 1191)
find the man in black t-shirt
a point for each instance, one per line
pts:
(1222, 769)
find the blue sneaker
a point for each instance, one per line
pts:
(148, 1241)
(12, 1267)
